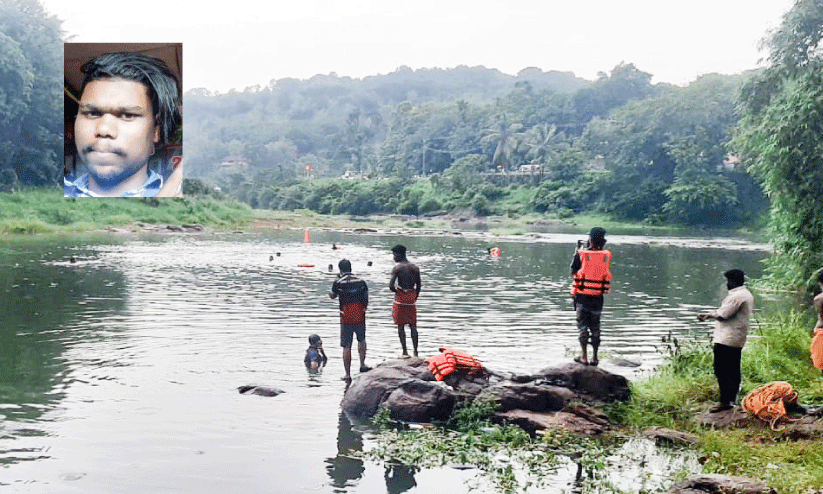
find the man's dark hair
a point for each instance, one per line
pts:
(345, 266)
(736, 276)
(314, 338)
(153, 73)
(399, 249)
(598, 237)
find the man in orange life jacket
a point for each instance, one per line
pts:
(592, 279)
(354, 299)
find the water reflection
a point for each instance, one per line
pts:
(345, 469)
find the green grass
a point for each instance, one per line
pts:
(45, 210)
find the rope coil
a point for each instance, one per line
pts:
(769, 402)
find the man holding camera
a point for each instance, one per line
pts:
(592, 279)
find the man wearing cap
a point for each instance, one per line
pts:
(354, 299)
(405, 283)
(592, 279)
(730, 331)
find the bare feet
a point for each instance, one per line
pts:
(581, 360)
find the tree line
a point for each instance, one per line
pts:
(713, 153)
(619, 144)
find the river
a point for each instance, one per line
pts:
(119, 372)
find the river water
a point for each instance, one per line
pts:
(119, 372)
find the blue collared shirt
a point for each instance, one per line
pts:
(79, 187)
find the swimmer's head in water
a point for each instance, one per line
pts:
(345, 266)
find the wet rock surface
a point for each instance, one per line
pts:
(662, 435)
(589, 381)
(716, 483)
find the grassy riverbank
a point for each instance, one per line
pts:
(45, 210)
(682, 388)
(778, 350)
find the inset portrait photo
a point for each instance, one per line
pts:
(123, 119)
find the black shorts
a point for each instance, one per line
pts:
(348, 330)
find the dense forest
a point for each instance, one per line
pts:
(717, 152)
(474, 139)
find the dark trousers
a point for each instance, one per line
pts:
(727, 371)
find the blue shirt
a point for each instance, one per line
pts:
(79, 187)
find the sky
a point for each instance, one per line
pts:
(244, 43)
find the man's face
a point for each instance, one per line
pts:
(115, 130)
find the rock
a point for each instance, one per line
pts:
(420, 401)
(807, 428)
(620, 362)
(259, 390)
(576, 419)
(511, 396)
(369, 390)
(588, 380)
(468, 384)
(715, 483)
(661, 435)
(733, 418)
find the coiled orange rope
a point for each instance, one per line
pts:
(769, 402)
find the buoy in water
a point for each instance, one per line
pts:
(305, 265)
(494, 251)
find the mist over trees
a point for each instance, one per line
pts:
(472, 138)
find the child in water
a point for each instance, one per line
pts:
(315, 356)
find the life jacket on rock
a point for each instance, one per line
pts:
(440, 366)
(451, 361)
(463, 361)
(593, 277)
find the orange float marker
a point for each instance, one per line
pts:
(306, 236)
(495, 251)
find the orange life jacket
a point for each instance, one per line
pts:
(463, 361)
(440, 366)
(593, 277)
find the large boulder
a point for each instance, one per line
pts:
(420, 401)
(369, 390)
(537, 398)
(588, 380)
(703, 484)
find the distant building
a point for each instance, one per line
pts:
(234, 162)
(531, 169)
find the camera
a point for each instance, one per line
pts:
(582, 244)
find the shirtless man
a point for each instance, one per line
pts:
(405, 283)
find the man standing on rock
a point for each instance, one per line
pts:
(592, 279)
(405, 283)
(730, 331)
(354, 299)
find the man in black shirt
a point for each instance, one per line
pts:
(353, 294)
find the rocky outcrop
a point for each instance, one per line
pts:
(577, 418)
(552, 398)
(590, 381)
(715, 483)
(371, 389)
(512, 396)
(421, 401)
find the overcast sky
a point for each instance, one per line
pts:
(241, 43)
